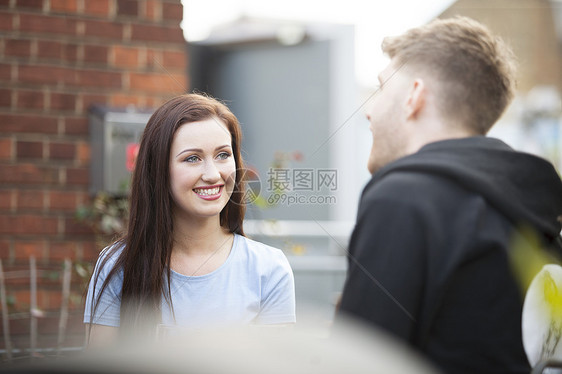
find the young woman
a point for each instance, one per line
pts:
(184, 259)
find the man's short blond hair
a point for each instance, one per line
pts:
(475, 69)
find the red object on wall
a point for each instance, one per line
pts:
(132, 153)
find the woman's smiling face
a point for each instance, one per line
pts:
(202, 168)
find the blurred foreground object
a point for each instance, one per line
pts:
(350, 349)
(542, 316)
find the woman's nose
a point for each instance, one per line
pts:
(211, 173)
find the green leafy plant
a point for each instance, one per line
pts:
(106, 214)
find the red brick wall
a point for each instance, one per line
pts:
(57, 57)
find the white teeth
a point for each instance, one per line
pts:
(207, 191)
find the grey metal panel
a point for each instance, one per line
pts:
(111, 131)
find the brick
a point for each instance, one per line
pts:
(157, 83)
(17, 48)
(6, 148)
(29, 149)
(175, 59)
(21, 298)
(47, 49)
(63, 101)
(30, 100)
(127, 8)
(51, 278)
(17, 282)
(4, 249)
(5, 71)
(90, 251)
(98, 7)
(73, 227)
(27, 224)
(5, 3)
(76, 126)
(62, 151)
(153, 10)
(28, 174)
(65, 6)
(49, 283)
(126, 57)
(45, 327)
(95, 54)
(63, 201)
(37, 124)
(154, 59)
(30, 199)
(164, 34)
(62, 250)
(44, 24)
(20, 326)
(104, 29)
(45, 74)
(6, 203)
(6, 21)
(83, 152)
(172, 11)
(91, 99)
(32, 4)
(84, 196)
(25, 249)
(70, 53)
(5, 98)
(98, 78)
(155, 102)
(49, 300)
(124, 100)
(78, 176)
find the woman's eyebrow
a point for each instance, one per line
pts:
(201, 151)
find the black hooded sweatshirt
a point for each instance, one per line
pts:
(429, 255)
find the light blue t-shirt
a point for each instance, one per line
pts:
(255, 285)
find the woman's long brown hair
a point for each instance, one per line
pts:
(147, 243)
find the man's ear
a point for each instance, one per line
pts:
(416, 99)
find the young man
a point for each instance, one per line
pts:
(430, 255)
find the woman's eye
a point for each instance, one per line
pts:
(223, 155)
(192, 159)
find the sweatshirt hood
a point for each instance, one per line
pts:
(525, 188)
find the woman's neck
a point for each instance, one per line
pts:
(199, 236)
(200, 246)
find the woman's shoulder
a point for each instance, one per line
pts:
(259, 248)
(112, 251)
(261, 252)
(267, 267)
(108, 257)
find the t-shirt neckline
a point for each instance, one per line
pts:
(214, 272)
